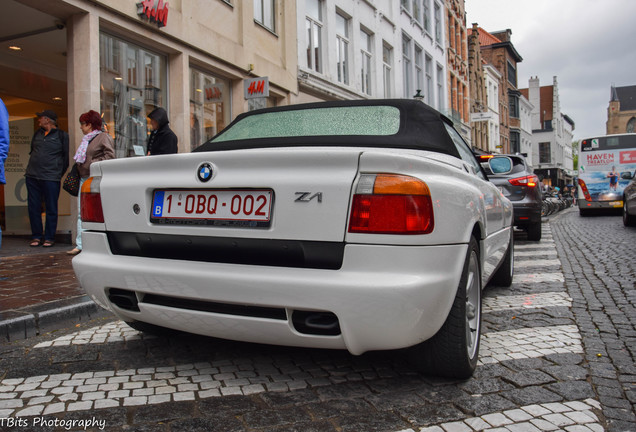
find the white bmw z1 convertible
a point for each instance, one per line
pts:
(357, 225)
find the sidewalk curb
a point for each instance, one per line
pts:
(36, 320)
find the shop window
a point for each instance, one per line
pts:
(133, 82)
(209, 106)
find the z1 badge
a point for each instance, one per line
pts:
(204, 173)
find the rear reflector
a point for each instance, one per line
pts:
(586, 193)
(91, 201)
(391, 204)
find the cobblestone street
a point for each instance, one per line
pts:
(557, 354)
(598, 256)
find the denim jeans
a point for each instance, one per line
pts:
(78, 237)
(49, 192)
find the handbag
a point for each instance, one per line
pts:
(72, 181)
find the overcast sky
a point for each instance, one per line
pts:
(587, 44)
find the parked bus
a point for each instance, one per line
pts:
(602, 162)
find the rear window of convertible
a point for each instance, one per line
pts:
(332, 121)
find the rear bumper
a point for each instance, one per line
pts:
(591, 205)
(385, 297)
(525, 214)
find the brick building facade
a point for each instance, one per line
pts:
(457, 63)
(479, 113)
(621, 113)
(498, 50)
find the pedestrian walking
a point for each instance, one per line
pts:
(4, 146)
(95, 146)
(161, 140)
(48, 161)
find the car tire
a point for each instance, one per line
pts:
(534, 231)
(628, 219)
(454, 350)
(504, 274)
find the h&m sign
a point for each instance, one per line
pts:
(155, 13)
(214, 93)
(256, 87)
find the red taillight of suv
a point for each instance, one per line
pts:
(91, 201)
(391, 204)
(586, 193)
(529, 181)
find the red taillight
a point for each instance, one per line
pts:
(91, 201)
(586, 193)
(529, 181)
(391, 204)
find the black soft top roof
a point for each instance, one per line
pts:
(421, 128)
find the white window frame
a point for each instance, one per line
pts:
(426, 16)
(417, 11)
(419, 67)
(342, 50)
(440, 87)
(438, 23)
(313, 29)
(407, 61)
(366, 60)
(387, 67)
(264, 13)
(428, 68)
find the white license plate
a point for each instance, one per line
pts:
(212, 205)
(616, 204)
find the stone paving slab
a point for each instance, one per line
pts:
(529, 343)
(525, 254)
(524, 278)
(577, 416)
(529, 301)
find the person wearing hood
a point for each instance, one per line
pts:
(161, 140)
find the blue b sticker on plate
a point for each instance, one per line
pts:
(157, 205)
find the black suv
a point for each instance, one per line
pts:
(521, 186)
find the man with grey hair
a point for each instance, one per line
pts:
(48, 162)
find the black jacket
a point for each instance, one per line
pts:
(49, 155)
(162, 140)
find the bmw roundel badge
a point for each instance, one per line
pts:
(205, 172)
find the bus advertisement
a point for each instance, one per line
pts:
(602, 161)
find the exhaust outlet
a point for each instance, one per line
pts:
(316, 323)
(123, 299)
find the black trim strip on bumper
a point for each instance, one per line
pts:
(229, 250)
(215, 307)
